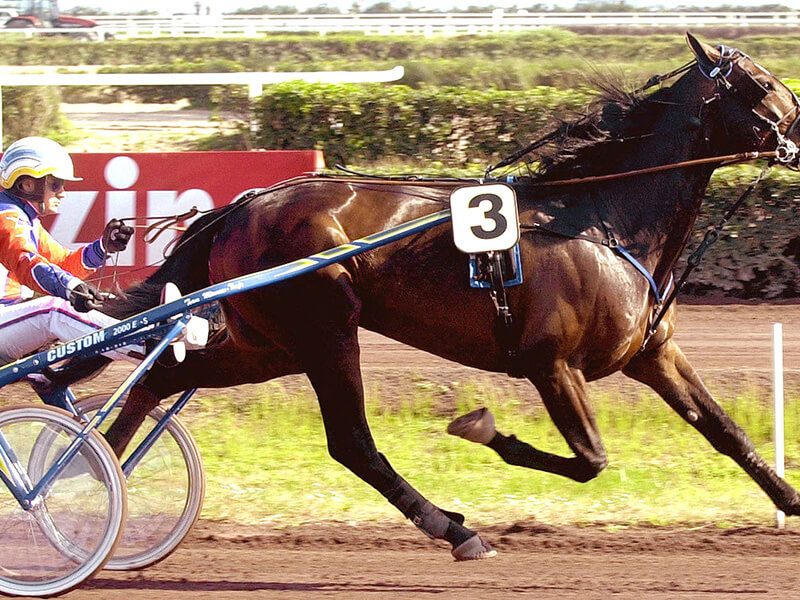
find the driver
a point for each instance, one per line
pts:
(33, 175)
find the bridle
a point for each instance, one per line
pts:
(738, 83)
(730, 78)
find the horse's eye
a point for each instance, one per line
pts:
(768, 85)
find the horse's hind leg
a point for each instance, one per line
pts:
(668, 372)
(222, 365)
(329, 350)
(138, 404)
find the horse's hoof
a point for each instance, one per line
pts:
(477, 426)
(474, 549)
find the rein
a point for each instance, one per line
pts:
(163, 223)
(170, 222)
(152, 232)
(783, 154)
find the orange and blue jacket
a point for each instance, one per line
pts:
(31, 257)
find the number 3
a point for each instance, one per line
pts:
(500, 222)
(484, 218)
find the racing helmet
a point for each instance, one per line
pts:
(35, 156)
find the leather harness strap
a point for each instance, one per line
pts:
(508, 336)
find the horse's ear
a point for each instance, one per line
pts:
(707, 55)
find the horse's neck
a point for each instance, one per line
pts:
(655, 213)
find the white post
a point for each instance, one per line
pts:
(254, 89)
(777, 364)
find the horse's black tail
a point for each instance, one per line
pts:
(186, 266)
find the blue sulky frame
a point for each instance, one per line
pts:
(167, 320)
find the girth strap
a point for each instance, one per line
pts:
(660, 295)
(506, 333)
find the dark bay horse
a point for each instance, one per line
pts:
(582, 313)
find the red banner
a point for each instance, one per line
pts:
(147, 185)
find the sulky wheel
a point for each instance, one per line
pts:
(165, 490)
(73, 525)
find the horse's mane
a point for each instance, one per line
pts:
(588, 142)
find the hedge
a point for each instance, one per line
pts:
(533, 45)
(509, 61)
(30, 111)
(757, 256)
(351, 47)
(364, 123)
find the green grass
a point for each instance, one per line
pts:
(266, 461)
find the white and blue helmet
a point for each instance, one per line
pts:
(35, 156)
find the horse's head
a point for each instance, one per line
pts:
(757, 110)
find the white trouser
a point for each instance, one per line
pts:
(29, 325)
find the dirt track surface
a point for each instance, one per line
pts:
(535, 561)
(393, 560)
(726, 344)
(134, 127)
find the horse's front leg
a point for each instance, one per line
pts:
(563, 391)
(668, 372)
(329, 350)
